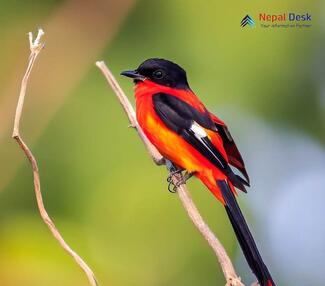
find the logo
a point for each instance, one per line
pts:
(247, 20)
(280, 20)
(285, 20)
(285, 17)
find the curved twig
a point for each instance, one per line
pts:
(227, 267)
(35, 47)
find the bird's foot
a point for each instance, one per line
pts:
(172, 186)
(175, 179)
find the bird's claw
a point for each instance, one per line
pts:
(172, 187)
(181, 180)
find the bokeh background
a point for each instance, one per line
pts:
(105, 195)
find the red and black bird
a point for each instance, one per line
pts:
(193, 139)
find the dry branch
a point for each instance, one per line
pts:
(35, 47)
(228, 269)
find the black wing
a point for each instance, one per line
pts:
(186, 121)
(234, 156)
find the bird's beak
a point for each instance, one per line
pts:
(133, 74)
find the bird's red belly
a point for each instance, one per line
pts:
(170, 144)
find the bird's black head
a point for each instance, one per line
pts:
(160, 71)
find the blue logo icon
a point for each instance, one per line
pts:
(247, 20)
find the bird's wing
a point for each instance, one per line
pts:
(190, 124)
(234, 156)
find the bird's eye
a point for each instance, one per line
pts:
(158, 74)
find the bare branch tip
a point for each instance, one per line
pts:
(100, 63)
(36, 45)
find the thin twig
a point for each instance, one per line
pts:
(35, 47)
(228, 269)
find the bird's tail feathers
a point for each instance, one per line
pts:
(244, 236)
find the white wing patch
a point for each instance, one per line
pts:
(198, 131)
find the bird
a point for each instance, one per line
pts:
(196, 141)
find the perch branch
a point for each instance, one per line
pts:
(35, 48)
(224, 260)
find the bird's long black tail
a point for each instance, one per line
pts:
(245, 237)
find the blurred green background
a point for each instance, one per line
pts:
(107, 198)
